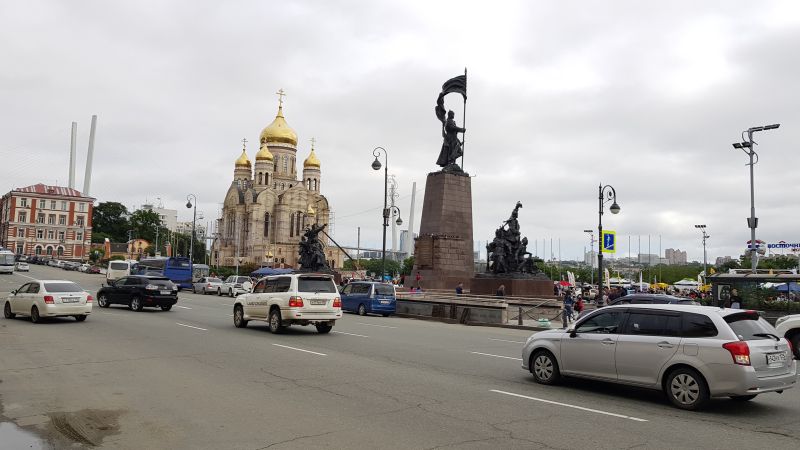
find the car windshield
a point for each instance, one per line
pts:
(62, 287)
(6, 260)
(749, 326)
(384, 289)
(119, 266)
(316, 284)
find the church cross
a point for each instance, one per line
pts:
(280, 94)
(313, 141)
(244, 143)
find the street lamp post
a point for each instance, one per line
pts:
(189, 204)
(605, 194)
(376, 165)
(702, 228)
(752, 222)
(591, 247)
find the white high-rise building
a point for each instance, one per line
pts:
(169, 217)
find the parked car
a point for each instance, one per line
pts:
(22, 266)
(692, 353)
(71, 266)
(48, 298)
(93, 269)
(138, 291)
(367, 297)
(789, 327)
(235, 285)
(83, 267)
(208, 284)
(291, 299)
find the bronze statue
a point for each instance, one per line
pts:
(507, 253)
(452, 146)
(312, 252)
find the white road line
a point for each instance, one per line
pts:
(503, 340)
(184, 307)
(299, 349)
(226, 304)
(349, 334)
(496, 356)
(189, 326)
(373, 325)
(597, 411)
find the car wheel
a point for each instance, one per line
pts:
(743, 398)
(686, 389)
(385, 315)
(238, 317)
(35, 318)
(102, 300)
(324, 328)
(796, 345)
(136, 303)
(81, 318)
(204, 291)
(219, 292)
(230, 293)
(7, 311)
(362, 310)
(166, 307)
(275, 324)
(544, 367)
(194, 290)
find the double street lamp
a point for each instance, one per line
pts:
(605, 194)
(702, 228)
(752, 222)
(189, 204)
(387, 212)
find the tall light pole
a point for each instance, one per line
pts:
(591, 248)
(376, 165)
(605, 194)
(752, 222)
(189, 204)
(702, 228)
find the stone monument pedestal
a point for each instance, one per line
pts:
(443, 252)
(516, 285)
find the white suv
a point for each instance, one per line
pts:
(292, 299)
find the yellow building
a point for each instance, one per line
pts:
(267, 207)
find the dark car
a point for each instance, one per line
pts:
(138, 291)
(367, 297)
(93, 269)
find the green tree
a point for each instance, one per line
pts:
(111, 219)
(144, 224)
(408, 266)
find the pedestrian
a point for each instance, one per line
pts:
(460, 289)
(566, 312)
(735, 302)
(418, 278)
(501, 291)
(579, 305)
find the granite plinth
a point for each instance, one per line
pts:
(516, 286)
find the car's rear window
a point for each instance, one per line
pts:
(747, 324)
(213, 280)
(62, 287)
(242, 280)
(160, 282)
(316, 284)
(384, 289)
(119, 266)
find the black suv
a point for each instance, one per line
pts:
(138, 291)
(651, 299)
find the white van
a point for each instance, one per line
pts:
(118, 269)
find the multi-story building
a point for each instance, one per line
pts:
(722, 260)
(169, 217)
(186, 228)
(675, 256)
(47, 221)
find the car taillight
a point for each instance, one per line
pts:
(337, 302)
(739, 351)
(89, 299)
(791, 348)
(49, 299)
(295, 302)
(208, 285)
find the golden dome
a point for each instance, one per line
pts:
(243, 160)
(311, 161)
(279, 131)
(264, 154)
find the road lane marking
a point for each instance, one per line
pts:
(226, 304)
(496, 356)
(373, 325)
(567, 405)
(504, 340)
(190, 326)
(349, 334)
(184, 307)
(299, 349)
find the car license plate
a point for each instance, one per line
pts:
(776, 358)
(385, 302)
(69, 300)
(166, 292)
(319, 302)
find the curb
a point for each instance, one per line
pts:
(472, 324)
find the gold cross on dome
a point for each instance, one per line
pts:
(280, 94)
(244, 143)
(313, 141)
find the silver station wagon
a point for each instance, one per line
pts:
(692, 353)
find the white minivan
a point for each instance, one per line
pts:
(118, 269)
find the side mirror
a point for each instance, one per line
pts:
(14, 292)
(572, 333)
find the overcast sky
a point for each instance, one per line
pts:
(563, 95)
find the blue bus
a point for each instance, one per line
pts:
(177, 269)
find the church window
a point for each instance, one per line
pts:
(290, 186)
(297, 222)
(308, 183)
(260, 179)
(291, 225)
(315, 184)
(293, 164)
(285, 164)
(274, 185)
(266, 225)
(266, 178)
(283, 186)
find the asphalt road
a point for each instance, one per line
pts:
(188, 378)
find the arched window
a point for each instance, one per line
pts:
(274, 185)
(285, 164)
(260, 180)
(315, 184)
(283, 186)
(297, 222)
(291, 225)
(266, 225)
(38, 250)
(266, 178)
(60, 251)
(49, 251)
(293, 164)
(308, 183)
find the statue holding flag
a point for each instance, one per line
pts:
(452, 146)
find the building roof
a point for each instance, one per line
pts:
(758, 277)
(51, 190)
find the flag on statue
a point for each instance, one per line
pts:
(456, 84)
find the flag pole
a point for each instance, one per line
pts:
(464, 120)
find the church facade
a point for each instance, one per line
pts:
(269, 204)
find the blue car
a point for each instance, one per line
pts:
(366, 297)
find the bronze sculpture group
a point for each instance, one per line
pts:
(312, 251)
(507, 253)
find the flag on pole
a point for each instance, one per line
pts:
(456, 84)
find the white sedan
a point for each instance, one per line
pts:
(22, 267)
(48, 298)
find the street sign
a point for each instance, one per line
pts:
(609, 241)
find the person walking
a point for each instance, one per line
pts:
(566, 312)
(460, 289)
(735, 302)
(418, 279)
(501, 291)
(579, 305)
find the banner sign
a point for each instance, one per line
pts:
(783, 245)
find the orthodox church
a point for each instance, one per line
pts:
(267, 208)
